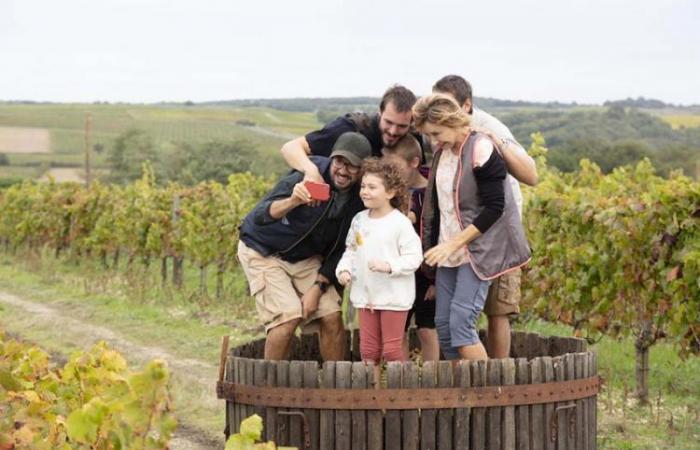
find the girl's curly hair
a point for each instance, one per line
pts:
(392, 178)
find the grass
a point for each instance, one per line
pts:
(190, 326)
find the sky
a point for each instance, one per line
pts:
(177, 50)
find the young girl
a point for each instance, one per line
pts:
(382, 253)
(406, 154)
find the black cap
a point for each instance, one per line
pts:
(352, 146)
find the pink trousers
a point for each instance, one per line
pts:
(381, 334)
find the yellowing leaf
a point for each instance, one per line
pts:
(252, 427)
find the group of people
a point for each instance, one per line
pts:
(437, 245)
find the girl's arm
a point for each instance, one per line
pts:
(347, 261)
(410, 252)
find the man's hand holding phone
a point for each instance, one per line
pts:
(318, 191)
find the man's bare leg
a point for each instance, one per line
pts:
(332, 337)
(429, 344)
(498, 337)
(279, 339)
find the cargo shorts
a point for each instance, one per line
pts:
(278, 286)
(504, 295)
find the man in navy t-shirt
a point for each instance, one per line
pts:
(383, 129)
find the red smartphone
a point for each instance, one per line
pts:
(318, 191)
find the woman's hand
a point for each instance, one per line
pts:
(439, 254)
(379, 266)
(344, 278)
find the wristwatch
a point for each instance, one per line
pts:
(322, 285)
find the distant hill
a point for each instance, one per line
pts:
(364, 103)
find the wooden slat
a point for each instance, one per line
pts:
(392, 419)
(533, 347)
(410, 436)
(327, 416)
(238, 407)
(375, 419)
(579, 362)
(347, 339)
(518, 345)
(538, 426)
(493, 416)
(522, 413)
(549, 406)
(444, 420)
(584, 404)
(343, 377)
(270, 412)
(294, 349)
(250, 380)
(296, 380)
(282, 421)
(258, 350)
(243, 364)
(428, 416)
(570, 374)
(508, 425)
(592, 403)
(462, 415)
(511, 353)
(356, 345)
(359, 417)
(259, 379)
(560, 374)
(312, 415)
(478, 415)
(232, 375)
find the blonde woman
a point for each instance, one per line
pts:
(471, 228)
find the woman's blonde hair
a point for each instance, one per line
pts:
(439, 109)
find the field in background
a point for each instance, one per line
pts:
(24, 140)
(682, 120)
(36, 137)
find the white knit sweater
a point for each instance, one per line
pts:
(391, 239)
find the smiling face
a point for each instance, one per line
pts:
(343, 174)
(442, 137)
(393, 124)
(373, 192)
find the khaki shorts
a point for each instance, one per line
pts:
(504, 295)
(278, 286)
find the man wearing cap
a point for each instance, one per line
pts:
(290, 245)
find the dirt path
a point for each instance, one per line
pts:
(64, 175)
(200, 377)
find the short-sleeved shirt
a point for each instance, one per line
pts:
(482, 119)
(321, 141)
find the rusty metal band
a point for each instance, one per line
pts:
(404, 398)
